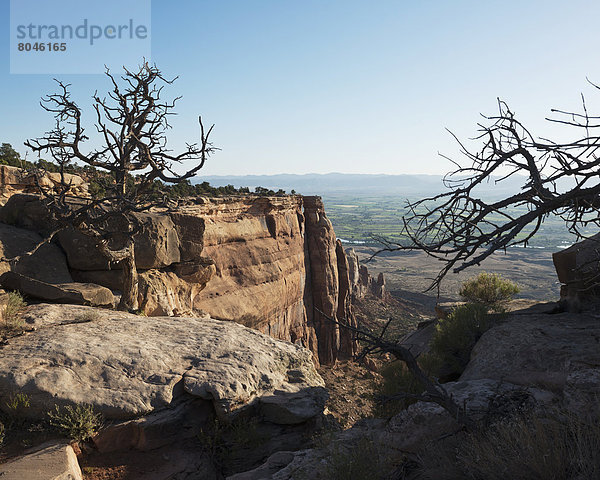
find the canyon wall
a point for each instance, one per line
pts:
(269, 263)
(279, 269)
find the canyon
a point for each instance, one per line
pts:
(242, 301)
(270, 263)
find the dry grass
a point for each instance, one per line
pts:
(525, 447)
(12, 324)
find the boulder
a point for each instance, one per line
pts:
(419, 341)
(577, 268)
(128, 365)
(50, 461)
(47, 264)
(14, 180)
(275, 463)
(156, 245)
(297, 406)
(190, 231)
(78, 293)
(556, 352)
(173, 293)
(166, 427)
(26, 211)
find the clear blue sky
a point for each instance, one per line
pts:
(345, 85)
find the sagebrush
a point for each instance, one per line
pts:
(489, 289)
(456, 335)
(78, 422)
(552, 446)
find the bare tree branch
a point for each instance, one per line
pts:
(132, 121)
(461, 229)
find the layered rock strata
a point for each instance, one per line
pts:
(269, 263)
(361, 281)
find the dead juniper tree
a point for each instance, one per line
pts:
(433, 391)
(131, 123)
(462, 229)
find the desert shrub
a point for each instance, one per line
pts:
(78, 422)
(362, 461)
(488, 289)
(527, 447)
(456, 335)
(396, 379)
(524, 446)
(17, 403)
(12, 323)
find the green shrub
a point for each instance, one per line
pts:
(78, 422)
(397, 378)
(12, 323)
(17, 403)
(488, 289)
(456, 335)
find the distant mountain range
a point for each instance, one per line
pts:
(356, 184)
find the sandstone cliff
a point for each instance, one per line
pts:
(269, 263)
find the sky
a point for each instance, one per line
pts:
(341, 85)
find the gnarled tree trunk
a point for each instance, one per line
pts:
(129, 295)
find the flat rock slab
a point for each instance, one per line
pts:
(47, 462)
(128, 365)
(558, 352)
(78, 293)
(538, 349)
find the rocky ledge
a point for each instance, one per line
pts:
(530, 360)
(128, 365)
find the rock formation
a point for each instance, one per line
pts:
(15, 180)
(159, 383)
(531, 360)
(270, 263)
(47, 461)
(578, 270)
(114, 361)
(361, 281)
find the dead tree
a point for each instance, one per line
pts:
(131, 122)
(462, 229)
(433, 391)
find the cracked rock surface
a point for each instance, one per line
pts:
(128, 365)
